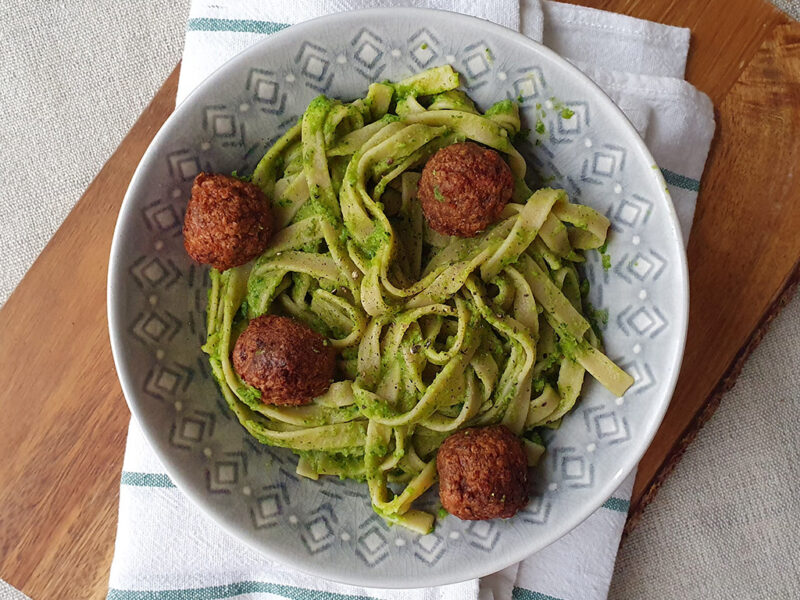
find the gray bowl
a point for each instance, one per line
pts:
(156, 296)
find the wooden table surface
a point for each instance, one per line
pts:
(62, 415)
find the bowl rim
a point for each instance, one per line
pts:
(115, 312)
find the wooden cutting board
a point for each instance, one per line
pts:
(63, 419)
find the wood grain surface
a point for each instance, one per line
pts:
(745, 242)
(62, 415)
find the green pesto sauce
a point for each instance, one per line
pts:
(522, 135)
(584, 287)
(318, 107)
(500, 108)
(378, 450)
(546, 180)
(382, 410)
(249, 394)
(598, 318)
(557, 104)
(235, 174)
(534, 436)
(375, 240)
(308, 209)
(604, 256)
(346, 464)
(567, 343)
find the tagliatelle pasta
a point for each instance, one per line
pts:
(432, 333)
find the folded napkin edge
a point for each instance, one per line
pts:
(648, 30)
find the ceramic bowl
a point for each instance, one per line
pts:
(157, 295)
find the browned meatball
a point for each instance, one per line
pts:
(287, 361)
(228, 221)
(483, 473)
(464, 188)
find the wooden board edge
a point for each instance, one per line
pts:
(711, 403)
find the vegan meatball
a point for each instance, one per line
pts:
(228, 221)
(483, 473)
(287, 361)
(464, 188)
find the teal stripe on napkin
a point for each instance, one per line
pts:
(146, 479)
(523, 594)
(681, 181)
(617, 504)
(234, 589)
(235, 25)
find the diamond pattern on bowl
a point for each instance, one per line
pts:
(267, 509)
(315, 66)
(572, 468)
(317, 532)
(266, 91)
(372, 544)
(192, 428)
(368, 53)
(483, 534)
(423, 48)
(429, 548)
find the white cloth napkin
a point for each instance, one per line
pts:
(166, 550)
